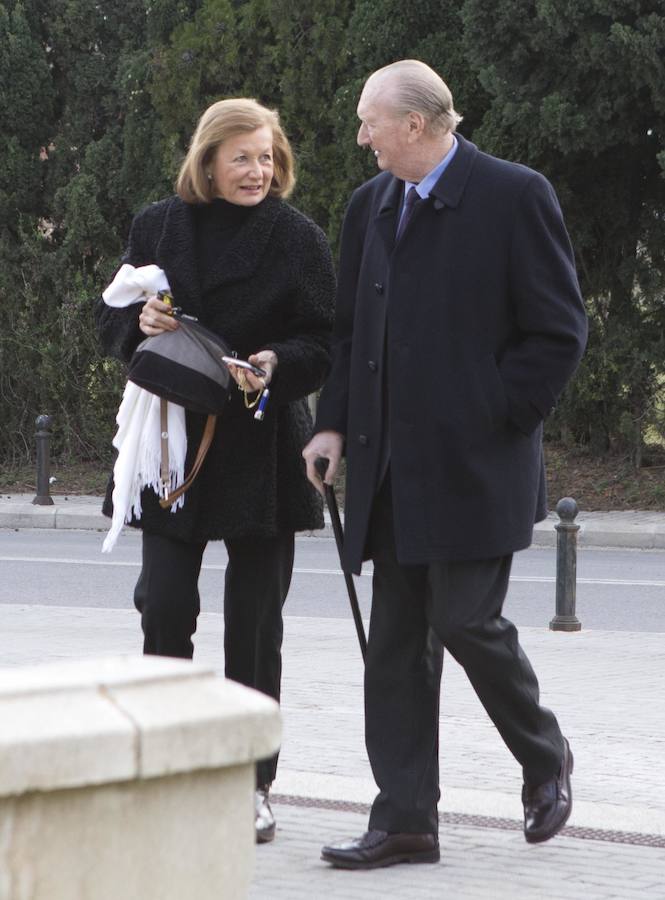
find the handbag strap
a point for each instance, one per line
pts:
(204, 446)
(164, 440)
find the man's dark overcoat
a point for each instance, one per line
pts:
(272, 287)
(455, 342)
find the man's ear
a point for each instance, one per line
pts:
(416, 124)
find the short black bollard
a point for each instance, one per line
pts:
(43, 436)
(566, 567)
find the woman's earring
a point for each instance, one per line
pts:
(209, 177)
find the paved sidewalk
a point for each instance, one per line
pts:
(607, 689)
(633, 528)
(475, 863)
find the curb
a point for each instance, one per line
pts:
(78, 513)
(629, 531)
(638, 530)
(17, 511)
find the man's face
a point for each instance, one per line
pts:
(384, 132)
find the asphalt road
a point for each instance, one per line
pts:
(617, 590)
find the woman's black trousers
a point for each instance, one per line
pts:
(257, 581)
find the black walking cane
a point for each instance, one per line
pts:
(331, 500)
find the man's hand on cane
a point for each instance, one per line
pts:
(326, 445)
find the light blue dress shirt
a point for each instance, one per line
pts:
(425, 186)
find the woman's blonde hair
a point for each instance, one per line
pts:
(224, 120)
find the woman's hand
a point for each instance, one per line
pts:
(264, 359)
(156, 317)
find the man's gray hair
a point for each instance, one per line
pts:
(417, 88)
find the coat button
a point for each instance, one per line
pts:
(372, 366)
(363, 440)
(378, 287)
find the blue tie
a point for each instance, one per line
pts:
(410, 201)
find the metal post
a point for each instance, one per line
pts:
(566, 567)
(43, 436)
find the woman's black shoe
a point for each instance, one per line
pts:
(264, 821)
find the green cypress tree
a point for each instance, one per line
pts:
(578, 91)
(280, 52)
(26, 115)
(70, 182)
(302, 64)
(383, 32)
(201, 63)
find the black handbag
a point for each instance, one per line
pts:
(184, 366)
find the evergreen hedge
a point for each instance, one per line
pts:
(97, 102)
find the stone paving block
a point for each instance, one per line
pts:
(476, 863)
(616, 739)
(606, 688)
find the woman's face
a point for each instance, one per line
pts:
(242, 167)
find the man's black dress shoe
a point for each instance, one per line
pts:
(547, 807)
(378, 848)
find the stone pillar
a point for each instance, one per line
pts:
(128, 777)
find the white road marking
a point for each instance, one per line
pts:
(215, 567)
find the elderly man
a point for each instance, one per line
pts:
(459, 322)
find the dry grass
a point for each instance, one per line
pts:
(606, 483)
(596, 484)
(70, 478)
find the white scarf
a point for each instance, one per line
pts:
(138, 438)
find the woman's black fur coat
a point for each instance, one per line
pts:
(272, 288)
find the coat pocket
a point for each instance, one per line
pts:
(479, 407)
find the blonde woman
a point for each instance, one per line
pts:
(255, 270)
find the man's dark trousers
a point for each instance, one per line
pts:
(415, 610)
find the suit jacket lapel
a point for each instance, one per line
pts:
(450, 187)
(388, 205)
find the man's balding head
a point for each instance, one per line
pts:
(412, 86)
(407, 119)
